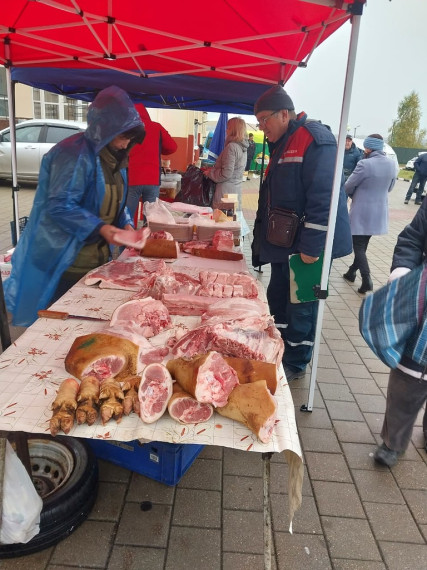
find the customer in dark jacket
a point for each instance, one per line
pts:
(419, 178)
(406, 322)
(299, 178)
(352, 155)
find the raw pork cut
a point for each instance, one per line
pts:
(155, 390)
(223, 240)
(124, 274)
(160, 248)
(131, 238)
(148, 316)
(230, 340)
(170, 283)
(254, 370)
(161, 235)
(253, 406)
(103, 356)
(186, 305)
(207, 377)
(185, 409)
(232, 284)
(147, 352)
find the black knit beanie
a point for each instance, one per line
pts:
(274, 99)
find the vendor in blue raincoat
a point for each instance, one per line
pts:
(80, 203)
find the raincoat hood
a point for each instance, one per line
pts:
(111, 113)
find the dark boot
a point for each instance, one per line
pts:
(367, 284)
(350, 275)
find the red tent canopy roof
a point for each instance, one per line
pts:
(242, 40)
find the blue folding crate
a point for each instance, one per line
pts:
(164, 462)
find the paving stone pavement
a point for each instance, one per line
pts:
(354, 516)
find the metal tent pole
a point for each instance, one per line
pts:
(357, 9)
(15, 187)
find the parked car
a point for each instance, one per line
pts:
(410, 163)
(34, 138)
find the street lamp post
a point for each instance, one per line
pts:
(355, 129)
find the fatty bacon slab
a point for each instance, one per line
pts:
(185, 409)
(208, 377)
(221, 284)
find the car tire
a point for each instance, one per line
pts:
(65, 474)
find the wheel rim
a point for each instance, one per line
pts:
(51, 465)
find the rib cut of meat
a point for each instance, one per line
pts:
(185, 409)
(124, 274)
(148, 316)
(208, 377)
(230, 340)
(102, 356)
(253, 406)
(155, 390)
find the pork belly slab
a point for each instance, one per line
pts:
(207, 377)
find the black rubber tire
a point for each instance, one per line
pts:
(67, 506)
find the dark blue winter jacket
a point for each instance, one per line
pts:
(300, 178)
(351, 158)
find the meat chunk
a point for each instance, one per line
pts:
(208, 378)
(155, 390)
(185, 409)
(148, 316)
(253, 406)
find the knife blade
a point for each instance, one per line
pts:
(47, 314)
(217, 254)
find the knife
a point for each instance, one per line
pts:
(217, 254)
(62, 315)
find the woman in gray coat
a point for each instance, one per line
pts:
(368, 186)
(229, 167)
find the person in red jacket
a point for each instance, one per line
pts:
(145, 162)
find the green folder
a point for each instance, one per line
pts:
(304, 277)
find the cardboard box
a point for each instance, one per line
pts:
(5, 269)
(164, 462)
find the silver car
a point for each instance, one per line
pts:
(34, 139)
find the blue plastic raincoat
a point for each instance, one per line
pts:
(66, 206)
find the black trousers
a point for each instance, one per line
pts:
(360, 245)
(406, 396)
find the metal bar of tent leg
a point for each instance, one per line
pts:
(15, 188)
(351, 60)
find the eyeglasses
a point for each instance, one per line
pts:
(263, 121)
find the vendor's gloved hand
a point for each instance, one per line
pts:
(308, 258)
(398, 272)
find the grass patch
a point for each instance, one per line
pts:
(403, 173)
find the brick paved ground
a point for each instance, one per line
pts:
(354, 516)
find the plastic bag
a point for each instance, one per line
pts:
(158, 212)
(21, 504)
(196, 188)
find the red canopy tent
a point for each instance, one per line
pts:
(179, 55)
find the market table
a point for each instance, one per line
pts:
(33, 367)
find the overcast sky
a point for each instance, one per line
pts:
(391, 62)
